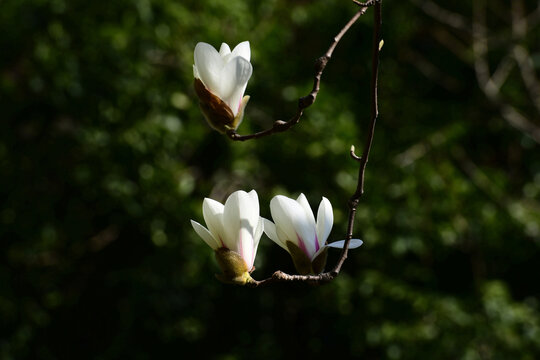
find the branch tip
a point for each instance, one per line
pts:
(308, 100)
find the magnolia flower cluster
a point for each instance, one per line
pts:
(234, 230)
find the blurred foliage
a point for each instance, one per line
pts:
(104, 158)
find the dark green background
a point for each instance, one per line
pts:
(105, 157)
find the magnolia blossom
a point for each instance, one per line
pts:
(235, 226)
(295, 228)
(220, 81)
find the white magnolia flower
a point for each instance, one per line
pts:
(235, 226)
(220, 81)
(295, 228)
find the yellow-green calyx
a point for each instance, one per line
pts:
(218, 114)
(235, 270)
(303, 264)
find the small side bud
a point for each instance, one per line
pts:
(381, 44)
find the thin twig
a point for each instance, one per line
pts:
(328, 276)
(365, 4)
(308, 100)
(353, 201)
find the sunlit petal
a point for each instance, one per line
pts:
(325, 221)
(282, 210)
(302, 200)
(234, 78)
(245, 246)
(240, 219)
(205, 235)
(271, 231)
(209, 65)
(224, 50)
(291, 218)
(240, 116)
(256, 239)
(254, 198)
(213, 216)
(242, 50)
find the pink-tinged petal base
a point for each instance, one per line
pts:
(302, 246)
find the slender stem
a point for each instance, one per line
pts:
(353, 201)
(308, 100)
(280, 276)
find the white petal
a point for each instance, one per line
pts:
(254, 197)
(224, 50)
(325, 221)
(242, 50)
(213, 216)
(256, 238)
(353, 244)
(240, 219)
(290, 217)
(302, 200)
(258, 232)
(209, 64)
(234, 78)
(245, 247)
(205, 235)
(240, 115)
(280, 208)
(271, 231)
(196, 73)
(305, 205)
(282, 236)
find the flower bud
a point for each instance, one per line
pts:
(216, 112)
(220, 81)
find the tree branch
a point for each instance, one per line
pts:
(328, 276)
(308, 100)
(354, 200)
